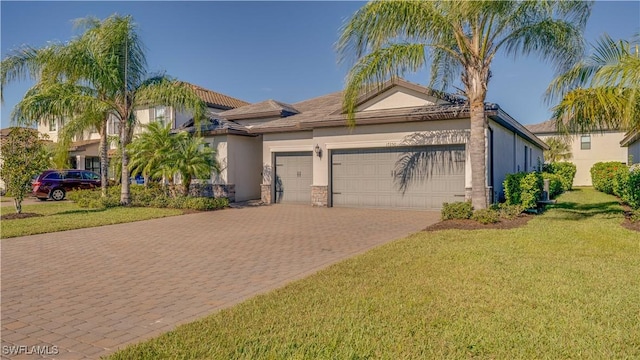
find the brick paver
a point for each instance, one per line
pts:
(89, 292)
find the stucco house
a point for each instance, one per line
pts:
(631, 141)
(305, 152)
(84, 151)
(587, 148)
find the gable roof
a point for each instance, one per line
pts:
(630, 138)
(262, 109)
(550, 127)
(215, 99)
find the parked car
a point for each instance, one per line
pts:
(54, 184)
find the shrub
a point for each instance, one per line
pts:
(635, 215)
(457, 210)
(631, 195)
(486, 216)
(510, 211)
(555, 184)
(512, 191)
(620, 182)
(566, 170)
(202, 203)
(603, 173)
(531, 189)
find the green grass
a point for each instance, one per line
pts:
(564, 286)
(67, 216)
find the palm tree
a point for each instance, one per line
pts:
(389, 38)
(159, 153)
(559, 149)
(601, 91)
(193, 160)
(105, 76)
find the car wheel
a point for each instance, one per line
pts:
(42, 199)
(57, 194)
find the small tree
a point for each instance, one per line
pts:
(24, 155)
(559, 149)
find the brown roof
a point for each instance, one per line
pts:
(218, 100)
(548, 126)
(265, 108)
(81, 145)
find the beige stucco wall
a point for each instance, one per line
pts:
(398, 98)
(220, 145)
(283, 142)
(508, 148)
(604, 147)
(244, 166)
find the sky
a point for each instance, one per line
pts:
(271, 50)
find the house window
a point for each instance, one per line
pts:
(113, 127)
(52, 125)
(92, 163)
(159, 114)
(585, 142)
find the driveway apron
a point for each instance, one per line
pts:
(86, 293)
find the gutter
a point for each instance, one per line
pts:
(500, 116)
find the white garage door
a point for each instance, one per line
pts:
(381, 178)
(294, 175)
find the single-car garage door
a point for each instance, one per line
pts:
(294, 175)
(383, 178)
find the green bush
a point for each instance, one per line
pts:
(486, 216)
(566, 170)
(555, 184)
(457, 210)
(603, 173)
(510, 211)
(620, 182)
(631, 194)
(151, 196)
(512, 191)
(531, 189)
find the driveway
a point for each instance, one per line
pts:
(85, 293)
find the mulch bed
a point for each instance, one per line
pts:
(474, 225)
(19, 216)
(627, 221)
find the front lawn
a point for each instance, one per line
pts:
(59, 216)
(563, 286)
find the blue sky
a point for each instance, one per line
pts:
(271, 50)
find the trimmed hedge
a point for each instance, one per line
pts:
(604, 173)
(152, 196)
(556, 186)
(566, 171)
(523, 189)
(486, 216)
(512, 191)
(457, 210)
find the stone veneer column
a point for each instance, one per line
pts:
(265, 193)
(319, 195)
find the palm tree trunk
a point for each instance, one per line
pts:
(104, 159)
(125, 198)
(478, 156)
(186, 183)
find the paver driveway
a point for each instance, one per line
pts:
(89, 292)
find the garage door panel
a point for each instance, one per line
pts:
(366, 177)
(294, 177)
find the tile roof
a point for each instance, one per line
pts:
(262, 109)
(81, 145)
(548, 126)
(214, 123)
(216, 99)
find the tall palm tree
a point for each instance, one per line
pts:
(602, 91)
(389, 38)
(105, 76)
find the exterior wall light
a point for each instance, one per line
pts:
(318, 151)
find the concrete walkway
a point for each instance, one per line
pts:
(85, 293)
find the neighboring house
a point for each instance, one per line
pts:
(84, 151)
(587, 148)
(631, 141)
(305, 152)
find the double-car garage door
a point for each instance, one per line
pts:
(374, 177)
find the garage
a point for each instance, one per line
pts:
(373, 177)
(294, 175)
